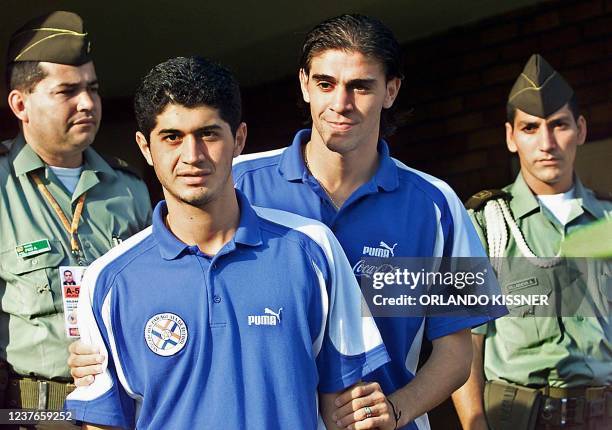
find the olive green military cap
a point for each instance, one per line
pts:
(57, 37)
(539, 90)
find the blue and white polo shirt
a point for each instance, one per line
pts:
(400, 212)
(242, 339)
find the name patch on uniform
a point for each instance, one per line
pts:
(525, 283)
(33, 248)
(165, 334)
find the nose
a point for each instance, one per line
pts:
(548, 141)
(342, 100)
(192, 151)
(86, 101)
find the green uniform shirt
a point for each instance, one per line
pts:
(117, 205)
(556, 351)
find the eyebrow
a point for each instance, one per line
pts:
(359, 82)
(559, 119)
(212, 127)
(76, 84)
(523, 123)
(322, 77)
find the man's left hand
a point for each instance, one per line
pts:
(363, 406)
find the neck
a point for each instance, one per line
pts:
(209, 227)
(340, 174)
(72, 159)
(540, 188)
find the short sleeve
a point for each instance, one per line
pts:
(104, 402)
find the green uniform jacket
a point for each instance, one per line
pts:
(562, 351)
(117, 205)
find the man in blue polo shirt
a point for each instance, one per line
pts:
(200, 327)
(340, 172)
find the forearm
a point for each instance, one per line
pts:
(468, 399)
(446, 370)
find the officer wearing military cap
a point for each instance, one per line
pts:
(62, 205)
(540, 372)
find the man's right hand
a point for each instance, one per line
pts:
(85, 361)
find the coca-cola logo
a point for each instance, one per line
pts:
(361, 268)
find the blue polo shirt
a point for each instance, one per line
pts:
(399, 212)
(242, 339)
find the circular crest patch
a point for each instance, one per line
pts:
(165, 334)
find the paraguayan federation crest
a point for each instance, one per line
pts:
(165, 334)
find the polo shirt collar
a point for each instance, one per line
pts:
(248, 231)
(386, 176)
(170, 247)
(292, 167)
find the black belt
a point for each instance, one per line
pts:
(574, 406)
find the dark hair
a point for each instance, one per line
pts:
(190, 82)
(572, 104)
(24, 75)
(358, 33)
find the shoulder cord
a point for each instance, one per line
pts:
(497, 235)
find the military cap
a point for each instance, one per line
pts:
(57, 37)
(539, 90)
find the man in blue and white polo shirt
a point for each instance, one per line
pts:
(340, 172)
(219, 315)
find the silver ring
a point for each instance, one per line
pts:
(368, 411)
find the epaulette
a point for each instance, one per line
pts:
(479, 199)
(603, 195)
(3, 150)
(119, 164)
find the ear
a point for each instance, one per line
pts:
(393, 86)
(304, 85)
(144, 147)
(510, 138)
(17, 103)
(582, 130)
(241, 135)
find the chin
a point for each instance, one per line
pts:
(197, 199)
(340, 144)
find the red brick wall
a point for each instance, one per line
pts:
(457, 84)
(452, 104)
(451, 107)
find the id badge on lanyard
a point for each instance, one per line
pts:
(70, 280)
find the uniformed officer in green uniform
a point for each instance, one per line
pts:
(61, 204)
(541, 372)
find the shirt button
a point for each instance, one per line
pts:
(43, 289)
(214, 266)
(216, 299)
(34, 262)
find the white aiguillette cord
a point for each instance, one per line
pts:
(497, 216)
(71, 227)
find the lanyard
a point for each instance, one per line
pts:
(71, 227)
